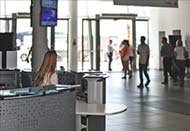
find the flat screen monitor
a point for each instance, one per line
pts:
(48, 12)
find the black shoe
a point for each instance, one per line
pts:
(174, 80)
(165, 83)
(130, 76)
(147, 83)
(140, 86)
(182, 83)
(124, 77)
(110, 69)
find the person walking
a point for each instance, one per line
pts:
(121, 53)
(167, 54)
(180, 56)
(125, 54)
(144, 53)
(110, 51)
(131, 58)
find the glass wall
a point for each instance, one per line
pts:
(86, 9)
(24, 31)
(5, 25)
(61, 43)
(117, 31)
(24, 43)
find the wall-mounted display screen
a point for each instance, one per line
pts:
(48, 12)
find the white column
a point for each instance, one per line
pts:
(73, 37)
(39, 37)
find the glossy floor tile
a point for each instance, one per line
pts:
(158, 108)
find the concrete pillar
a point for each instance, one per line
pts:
(39, 37)
(73, 37)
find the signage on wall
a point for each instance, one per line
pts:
(155, 3)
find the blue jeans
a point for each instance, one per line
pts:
(143, 69)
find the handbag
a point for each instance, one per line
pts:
(186, 53)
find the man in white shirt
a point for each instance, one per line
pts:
(110, 50)
(144, 52)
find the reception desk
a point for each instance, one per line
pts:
(38, 109)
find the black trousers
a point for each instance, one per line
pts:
(110, 59)
(181, 69)
(167, 63)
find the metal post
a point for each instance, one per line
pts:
(82, 61)
(52, 37)
(14, 29)
(90, 41)
(97, 42)
(134, 43)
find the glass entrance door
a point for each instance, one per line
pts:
(87, 50)
(117, 31)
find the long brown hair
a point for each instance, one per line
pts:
(47, 68)
(179, 43)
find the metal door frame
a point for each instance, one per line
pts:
(82, 43)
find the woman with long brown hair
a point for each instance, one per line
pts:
(47, 74)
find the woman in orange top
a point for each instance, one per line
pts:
(125, 53)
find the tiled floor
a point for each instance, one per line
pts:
(161, 108)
